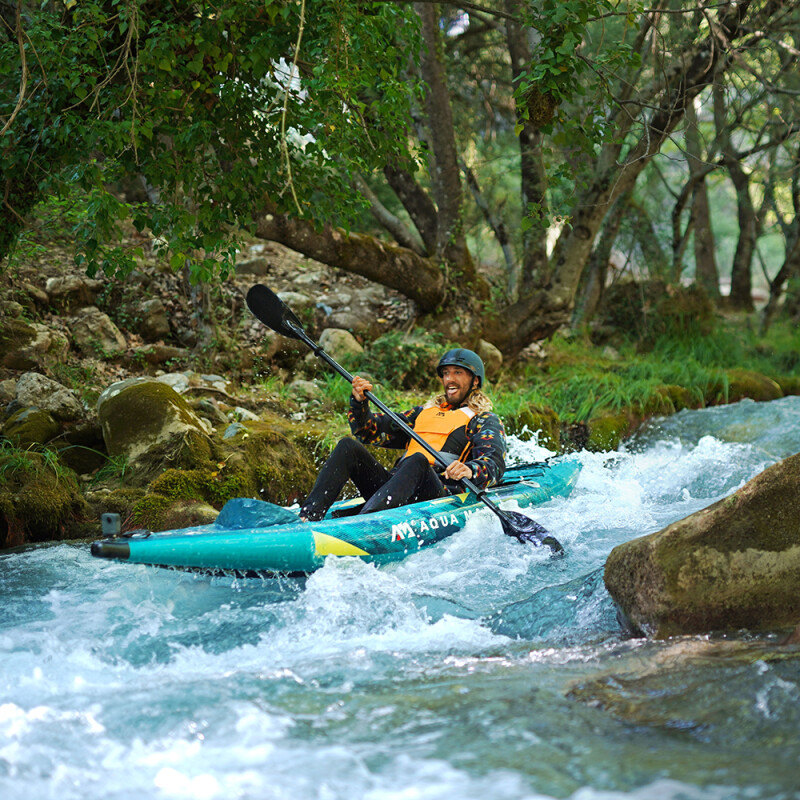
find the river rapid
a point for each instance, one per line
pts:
(480, 669)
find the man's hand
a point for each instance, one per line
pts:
(359, 387)
(457, 470)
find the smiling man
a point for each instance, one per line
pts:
(459, 424)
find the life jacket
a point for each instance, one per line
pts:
(445, 430)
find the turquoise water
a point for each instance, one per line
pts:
(477, 669)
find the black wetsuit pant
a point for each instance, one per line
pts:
(412, 480)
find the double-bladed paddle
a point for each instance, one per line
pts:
(273, 312)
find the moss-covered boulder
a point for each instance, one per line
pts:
(30, 426)
(532, 420)
(608, 428)
(745, 383)
(150, 425)
(733, 565)
(790, 385)
(280, 471)
(39, 500)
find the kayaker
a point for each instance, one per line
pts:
(459, 424)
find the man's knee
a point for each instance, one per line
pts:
(416, 461)
(347, 445)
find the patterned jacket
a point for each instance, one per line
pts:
(486, 458)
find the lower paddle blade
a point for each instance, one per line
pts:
(529, 531)
(267, 307)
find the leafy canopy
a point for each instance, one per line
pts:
(220, 109)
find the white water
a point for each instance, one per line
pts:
(479, 668)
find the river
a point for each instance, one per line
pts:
(480, 669)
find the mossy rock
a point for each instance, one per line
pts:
(31, 426)
(534, 419)
(732, 565)
(83, 450)
(744, 383)
(680, 397)
(188, 513)
(790, 385)
(39, 500)
(166, 430)
(119, 501)
(151, 512)
(609, 428)
(214, 487)
(281, 472)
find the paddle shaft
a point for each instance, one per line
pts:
(396, 418)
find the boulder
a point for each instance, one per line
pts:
(39, 500)
(34, 389)
(30, 426)
(297, 301)
(69, 292)
(95, 334)
(492, 358)
(356, 319)
(339, 343)
(733, 565)
(151, 426)
(253, 266)
(304, 390)
(154, 324)
(28, 345)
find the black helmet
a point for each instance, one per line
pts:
(463, 358)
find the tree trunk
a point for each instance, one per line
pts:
(597, 273)
(706, 273)
(533, 180)
(741, 297)
(445, 172)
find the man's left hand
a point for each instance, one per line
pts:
(457, 470)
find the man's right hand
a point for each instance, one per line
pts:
(360, 385)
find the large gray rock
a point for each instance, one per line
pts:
(95, 334)
(733, 565)
(492, 358)
(339, 343)
(33, 389)
(72, 291)
(152, 427)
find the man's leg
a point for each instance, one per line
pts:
(412, 481)
(349, 460)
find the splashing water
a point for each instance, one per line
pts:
(478, 668)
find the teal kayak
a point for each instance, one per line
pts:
(252, 537)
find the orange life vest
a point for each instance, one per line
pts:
(444, 430)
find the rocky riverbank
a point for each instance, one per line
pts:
(106, 386)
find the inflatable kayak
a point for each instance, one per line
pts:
(255, 538)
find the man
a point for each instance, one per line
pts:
(458, 424)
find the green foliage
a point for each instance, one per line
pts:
(404, 360)
(198, 102)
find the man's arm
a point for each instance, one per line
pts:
(375, 427)
(487, 459)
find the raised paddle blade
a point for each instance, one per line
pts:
(528, 530)
(267, 307)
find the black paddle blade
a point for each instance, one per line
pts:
(267, 307)
(529, 531)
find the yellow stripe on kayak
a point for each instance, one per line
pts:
(326, 545)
